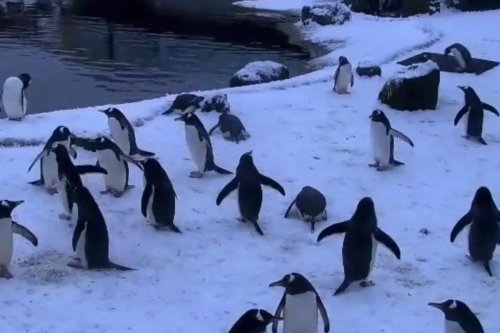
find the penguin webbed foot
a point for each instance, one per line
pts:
(171, 227)
(5, 274)
(366, 284)
(382, 168)
(75, 263)
(373, 165)
(196, 174)
(51, 190)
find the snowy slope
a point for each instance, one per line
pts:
(302, 134)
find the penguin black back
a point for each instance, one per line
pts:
(458, 312)
(253, 321)
(183, 102)
(311, 205)
(155, 174)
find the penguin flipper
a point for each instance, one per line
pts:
(290, 207)
(213, 128)
(388, 242)
(230, 187)
(89, 168)
(399, 135)
(337, 228)
(24, 232)
(460, 114)
(461, 224)
(221, 171)
(279, 311)
(148, 189)
(324, 314)
(80, 225)
(144, 153)
(487, 267)
(264, 180)
(490, 108)
(39, 156)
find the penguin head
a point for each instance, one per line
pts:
(365, 212)
(246, 163)
(378, 116)
(111, 112)
(343, 61)
(25, 79)
(253, 320)
(189, 118)
(483, 197)
(61, 133)
(7, 206)
(453, 309)
(293, 283)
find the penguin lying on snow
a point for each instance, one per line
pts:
(231, 127)
(248, 180)
(475, 108)
(483, 216)
(343, 78)
(184, 103)
(360, 244)
(458, 317)
(7, 228)
(311, 205)
(462, 56)
(218, 103)
(253, 321)
(14, 101)
(300, 303)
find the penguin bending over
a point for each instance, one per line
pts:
(7, 227)
(483, 216)
(48, 165)
(253, 321)
(475, 107)
(382, 140)
(248, 180)
(14, 101)
(360, 244)
(311, 205)
(231, 127)
(185, 103)
(123, 133)
(158, 197)
(462, 56)
(458, 317)
(343, 78)
(300, 304)
(200, 146)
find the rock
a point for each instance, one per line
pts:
(217, 102)
(473, 5)
(402, 8)
(326, 14)
(259, 72)
(415, 87)
(368, 69)
(434, 6)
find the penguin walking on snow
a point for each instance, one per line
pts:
(7, 227)
(382, 141)
(200, 146)
(360, 244)
(475, 107)
(185, 103)
(311, 205)
(462, 56)
(253, 321)
(231, 127)
(343, 78)
(14, 101)
(248, 180)
(458, 317)
(299, 304)
(483, 216)
(123, 133)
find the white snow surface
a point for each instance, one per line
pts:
(257, 70)
(303, 134)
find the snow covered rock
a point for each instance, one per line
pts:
(415, 87)
(402, 8)
(368, 69)
(259, 72)
(326, 14)
(473, 5)
(217, 102)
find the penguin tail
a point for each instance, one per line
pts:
(144, 153)
(38, 182)
(221, 171)
(488, 268)
(112, 265)
(342, 287)
(397, 163)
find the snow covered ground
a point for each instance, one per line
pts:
(302, 134)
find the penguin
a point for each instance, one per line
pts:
(311, 205)
(248, 180)
(360, 244)
(48, 165)
(113, 160)
(14, 101)
(300, 304)
(184, 103)
(7, 227)
(475, 107)
(458, 317)
(90, 237)
(200, 146)
(123, 133)
(343, 77)
(218, 103)
(231, 127)
(382, 141)
(483, 217)
(462, 56)
(158, 197)
(253, 321)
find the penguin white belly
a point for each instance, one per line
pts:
(119, 135)
(80, 248)
(12, 95)
(149, 210)
(6, 242)
(301, 313)
(458, 57)
(61, 188)
(381, 143)
(49, 169)
(197, 148)
(343, 81)
(452, 327)
(116, 178)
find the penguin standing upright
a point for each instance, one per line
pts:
(300, 304)
(253, 321)
(382, 141)
(200, 146)
(248, 180)
(462, 56)
(483, 216)
(311, 205)
(7, 227)
(231, 127)
(458, 317)
(184, 103)
(475, 107)
(14, 101)
(360, 244)
(123, 133)
(343, 78)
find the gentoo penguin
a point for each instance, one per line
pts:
(7, 228)
(462, 56)
(123, 133)
(111, 158)
(360, 244)
(483, 217)
(248, 180)
(300, 304)
(14, 101)
(200, 146)
(253, 321)
(185, 103)
(475, 107)
(343, 77)
(218, 103)
(90, 237)
(382, 141)
(231, 127)
(158, 197)
(48, 164)
(458, 317)
(311, 205)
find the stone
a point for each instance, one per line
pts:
(402, 8)
(217, 103)
(368, 69)
(473, 5)
(326, 14)
(259, 72)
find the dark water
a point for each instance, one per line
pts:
(92, 52)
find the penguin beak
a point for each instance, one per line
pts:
(461, 88)
(103, 111)
(279, 283)
(436, 305)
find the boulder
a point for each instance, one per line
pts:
(217, 103)
(434, 6)
(259, 72)
(326, 14)
(402, 8)
(473, 5)
(368, 69)
(415, 87)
